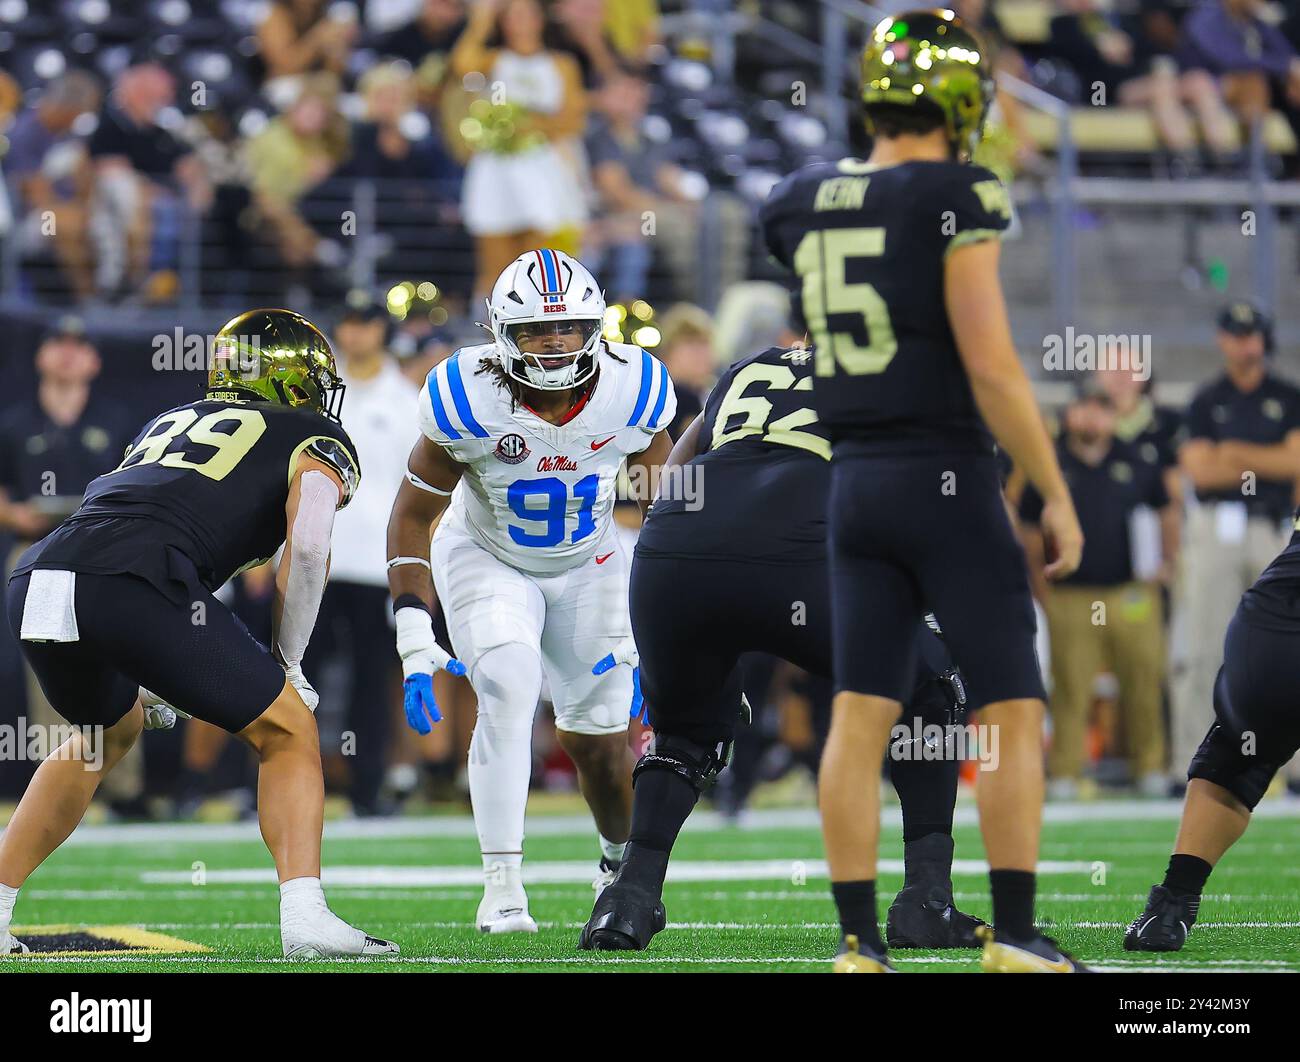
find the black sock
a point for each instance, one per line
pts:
(1013, 902)
(661, 802)
(856, 902)
(927, 860)
(927, 791)
(1187, 874)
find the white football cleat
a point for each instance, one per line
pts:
(505, 912)
(324, 935)
(11, 945)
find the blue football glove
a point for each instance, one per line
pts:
(421, 708)
(625, 653)
(421, 657)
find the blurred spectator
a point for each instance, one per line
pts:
(522, 185)
(1250, 57)
(50, 449)
(140, 170)
(393, 141)
(45, 165)
(426, 42)
(687, 353)
(1106, 617)
(1241, 451)
(1151, 431)
(644, 200)
(354, 622)
(306, 36)
(295, 152)
(1141, 422)
(580, 29)
(632, 27)
(1112, 70)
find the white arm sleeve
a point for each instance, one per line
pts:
(308, 556)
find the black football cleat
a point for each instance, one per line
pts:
(1036, 954)
(625, 918)
(1164, 925)
(922, 917)
(855, 958)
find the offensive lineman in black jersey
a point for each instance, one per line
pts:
(732, 558)
(897, 262)
(1255, 732)
(118, 602)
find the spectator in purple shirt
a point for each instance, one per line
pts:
(1254, 62)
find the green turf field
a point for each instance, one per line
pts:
(751, 898)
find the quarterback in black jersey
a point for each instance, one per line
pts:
(118, 602)
(732, 559)
(916, 376)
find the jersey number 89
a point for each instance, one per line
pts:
(228, 447)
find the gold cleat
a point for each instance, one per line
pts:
(851, 960)
(1037, 955)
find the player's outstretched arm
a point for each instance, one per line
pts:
(431, 476)
(314, 497)
(978, 315)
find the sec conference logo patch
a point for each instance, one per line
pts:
(512, 449)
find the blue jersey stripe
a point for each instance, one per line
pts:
(644, 395)
(461, 399)
(663, 396)
(439, 410)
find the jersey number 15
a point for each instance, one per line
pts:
(820, 261)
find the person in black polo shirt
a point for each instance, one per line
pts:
(1240, 447)
(1104, 617)
(50, 449)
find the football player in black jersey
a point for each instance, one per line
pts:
(118, 601)
(732, 559)
(897, 261)
(1256, 731)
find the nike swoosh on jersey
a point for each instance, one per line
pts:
(603, 442)
(602, 560)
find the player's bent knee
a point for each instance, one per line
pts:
(698, 765)
(121, 737)
(287, 722)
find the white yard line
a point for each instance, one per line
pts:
(580, 825)
(556, 873)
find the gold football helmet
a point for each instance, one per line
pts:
(276, 356)
(930, 57)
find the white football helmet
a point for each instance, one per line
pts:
(546, 293)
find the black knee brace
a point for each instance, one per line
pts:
(696, 764)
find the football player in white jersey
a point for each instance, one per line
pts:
(522, 442)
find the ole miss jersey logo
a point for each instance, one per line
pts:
(512, 449)
(559, 463)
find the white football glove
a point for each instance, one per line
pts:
(158, 714)
(624, 653)
(420, 652)
(299, 682)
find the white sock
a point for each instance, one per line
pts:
(300, 896)
(508, 682)
(8, 897)
(611, 851)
